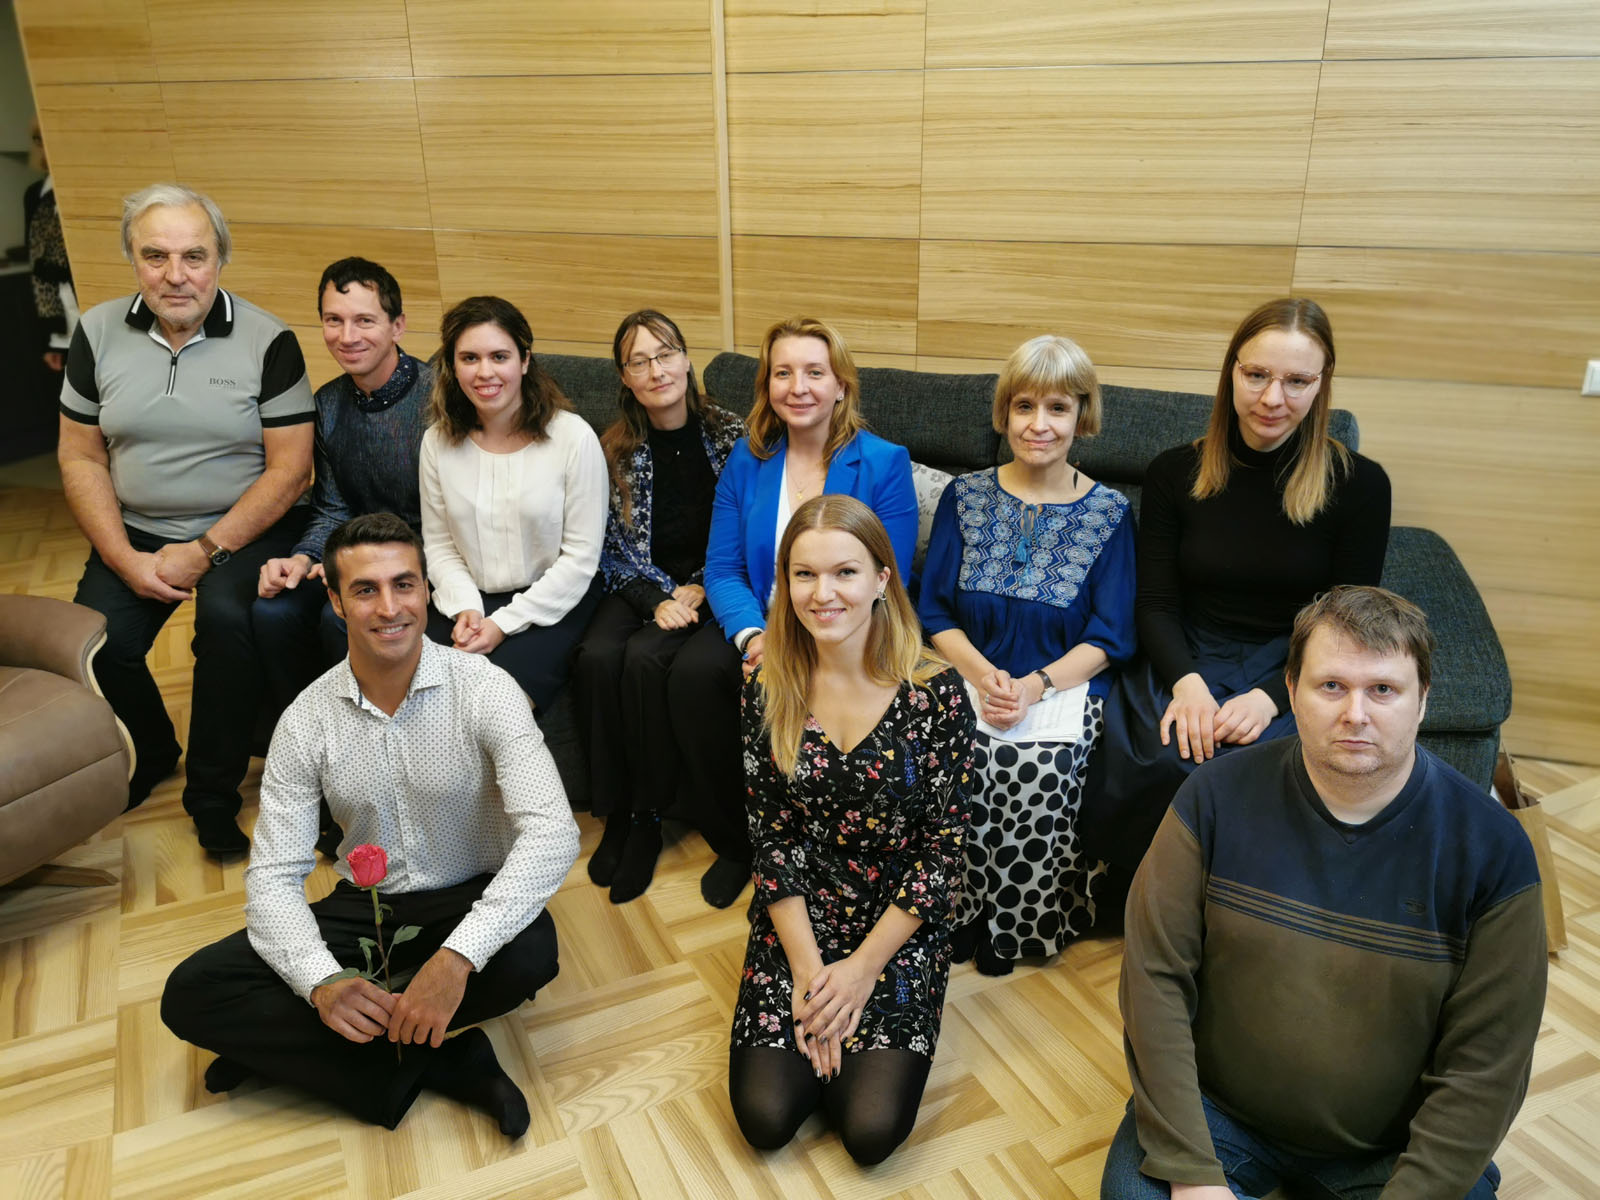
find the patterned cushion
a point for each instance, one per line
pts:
(930, 483)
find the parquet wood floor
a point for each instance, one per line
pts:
(622, 1058)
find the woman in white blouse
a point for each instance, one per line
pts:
(513, 501)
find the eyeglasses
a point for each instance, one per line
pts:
(1259, 379)
(640, 364)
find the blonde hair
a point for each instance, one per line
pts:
(894, 652)
(1049, 365)
(766, 427)
(1319, 458)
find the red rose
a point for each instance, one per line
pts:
(368, 865)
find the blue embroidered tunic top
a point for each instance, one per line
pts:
(1026, 583)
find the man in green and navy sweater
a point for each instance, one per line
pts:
(1335, 962)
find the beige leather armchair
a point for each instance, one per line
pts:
(64, 757)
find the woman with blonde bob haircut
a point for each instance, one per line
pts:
(857, 743)
(1028, 589)
(806, 438)
(1239, 530)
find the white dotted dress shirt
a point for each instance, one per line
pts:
(457, 783)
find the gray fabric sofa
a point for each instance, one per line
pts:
(944, 420)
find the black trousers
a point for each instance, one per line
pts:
(642, 720)
(703, 697)
(227, 673)
(539, 658)
(298, 636)
(226, 999)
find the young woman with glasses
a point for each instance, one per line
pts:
(1238, 531)
(664, 451)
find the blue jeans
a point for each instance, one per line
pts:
(1254, 1167)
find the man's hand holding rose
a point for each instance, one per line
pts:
(422, 1012)
(357, 1009)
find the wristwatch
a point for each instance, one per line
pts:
(214, 552)
(1049, 688)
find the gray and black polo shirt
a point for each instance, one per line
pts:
(183, 430)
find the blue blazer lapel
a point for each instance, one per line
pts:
(844, 470)
(763, 522)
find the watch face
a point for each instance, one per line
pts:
(220, 556)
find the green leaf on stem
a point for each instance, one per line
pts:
(404, 934)
(367, 947)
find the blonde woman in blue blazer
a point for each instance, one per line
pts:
(806, 438)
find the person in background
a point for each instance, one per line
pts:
(1028, 589)
(857, 753)
(806, 437)
(664, 452)
(513, 487)
(186, 432)
(54, 298)
(1335, 963)
(1237, 532)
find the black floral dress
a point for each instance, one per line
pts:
(854, 833)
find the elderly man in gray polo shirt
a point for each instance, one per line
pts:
(186, 431)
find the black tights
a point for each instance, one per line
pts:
(872, 1104)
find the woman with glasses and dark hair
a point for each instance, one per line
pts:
(664, 452)
(857, 749)
(513, 488)
(1238, 531)
(806, 437)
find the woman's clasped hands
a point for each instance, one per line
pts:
(1199, 722)
(827, 1009)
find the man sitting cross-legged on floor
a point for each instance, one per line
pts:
(433, 755)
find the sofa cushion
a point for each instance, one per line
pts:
(590, 383)
(930, 483)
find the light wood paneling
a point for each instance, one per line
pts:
(277, 268)
(305, 152)
(1047, 33)
(1501, 155)
(830, 155)
(601, 154)
(278, 39)
(1554, 668)
(576, 289)
(99, 271)
(824, 35)
(1123, 304)
(86, 41)
(1521, 319)
(559, 37)
(866, 288)
(1207, 154)
(1461, 28)
(105, 140)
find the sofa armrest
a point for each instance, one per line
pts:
(50, 635)
(1471, 682)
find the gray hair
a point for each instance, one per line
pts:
(173, 195)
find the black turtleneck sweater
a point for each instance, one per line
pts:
(1235, 562)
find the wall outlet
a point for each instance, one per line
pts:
(1591, 378)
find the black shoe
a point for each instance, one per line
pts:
(988, 960)
(639, 854)
(219, 834)
(150, 770)
(964, 941)
(723, 881)
(603, 862)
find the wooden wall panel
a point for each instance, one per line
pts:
(1118, 154)
(1123, 304)
(1501, 155)
(1461, 28)
(99, 271)
(278, 39)
(865, 287)
(601, 154)
(1048, 33)
(1518, 319)
(824, 35)
(831, 155)
(86, 41)
(311, 152)
(105, 140)
(577, 288)
(559, 37)
(277, 267)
